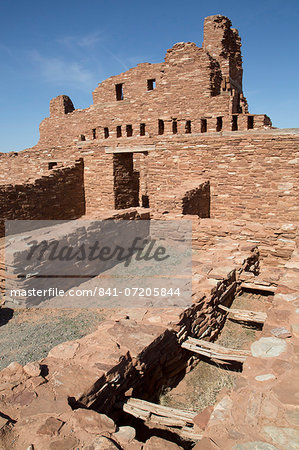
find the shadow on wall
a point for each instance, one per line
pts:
(59, 196)
(197, 201)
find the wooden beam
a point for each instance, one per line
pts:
(131, 149)
(245, 315)
(179, 421)
(215, 351)
(258, 287)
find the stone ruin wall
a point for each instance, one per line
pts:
(253, 177)
(194, 91)
(57, 195)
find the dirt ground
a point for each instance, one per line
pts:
(201, 386)
(29, 334)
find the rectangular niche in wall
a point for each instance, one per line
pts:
(174, 126)
(204, 125)
(151, 84)
(106, 132)
(235, 123)
(219, 124)
(161, 126)
(118, 131)
(188, 126)
(250, 123)
(119, 91)
(51, 165)
(129, 130)
(142, 129)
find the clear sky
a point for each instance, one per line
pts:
(67, 47)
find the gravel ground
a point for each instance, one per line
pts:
(29, 334)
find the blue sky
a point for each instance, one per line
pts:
(68, 47)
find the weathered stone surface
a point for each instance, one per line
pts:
(287, 297)
(50, 427)
(295, 330)
(286, 437)
(24, 398)
(67, 443)
(292, 416)
(253, 408)
(92, 422)
(32, 369)
(222, 409)
(205, 444)
(103, 443)
(268, 347)
(254, 446)
(266, 377)
(45, 405)
(287, 392)
(125, 434)
(281, 332)
(3, 422)
(66, 350)
(269, 410)
(203, 418)
(156, 443)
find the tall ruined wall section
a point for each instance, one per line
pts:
(194, 90)
(224, 44)
(58, 195)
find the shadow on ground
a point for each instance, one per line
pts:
(5, 315)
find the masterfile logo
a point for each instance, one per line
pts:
(109, 263)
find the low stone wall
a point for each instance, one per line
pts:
(56, 196)
(275, 241)
(191, 198)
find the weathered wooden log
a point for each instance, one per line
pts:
(176, 420)
(215, 351)
(160, 409)
(187, 434)
(245, 315)
(258, 287)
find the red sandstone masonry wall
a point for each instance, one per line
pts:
(276, 241)
(254, 177)
(186, 87)
(192, 198)
(191, 85)
(29, 164)
(60, 195)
